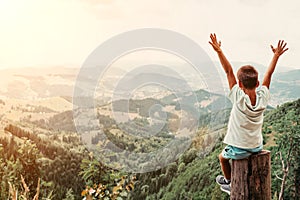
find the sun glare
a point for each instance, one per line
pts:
(10, 11)
(6, 5)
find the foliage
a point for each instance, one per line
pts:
(190, 177)
(92, 171)
(104, 183)
(19, 160)
(56, 162)
(284, 124)
(69, 195)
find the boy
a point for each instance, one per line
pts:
(244, 135)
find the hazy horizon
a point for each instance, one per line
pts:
(280, 67)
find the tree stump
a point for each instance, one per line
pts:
(251, 177)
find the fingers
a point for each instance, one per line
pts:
(213, 37)
(278, 43)
(281, 44)
(285, 50)
(281, 47)
(273, 49)
(214, 40)
(282, 41)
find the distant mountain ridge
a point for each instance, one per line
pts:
(33, 83)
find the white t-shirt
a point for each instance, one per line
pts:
(245, 121)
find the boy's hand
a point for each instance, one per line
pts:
(214, 43)
(225, 63)
(280, 49)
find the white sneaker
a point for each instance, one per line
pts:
(226, 188)
(222, 181)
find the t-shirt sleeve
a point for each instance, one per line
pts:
(265, 93)
(235, 93)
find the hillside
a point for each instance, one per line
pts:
(193, 176)
(282, 133)
(54, 158)
(285, 86)
(48, 129)
(190, 176)
(41, 123)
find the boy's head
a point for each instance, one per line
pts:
(248, 77)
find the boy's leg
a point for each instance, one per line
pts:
(225, 166)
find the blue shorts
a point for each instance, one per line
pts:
(235, 153)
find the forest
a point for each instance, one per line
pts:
(58, 166)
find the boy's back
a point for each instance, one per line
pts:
(245, 122)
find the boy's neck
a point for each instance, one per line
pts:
(252, 95)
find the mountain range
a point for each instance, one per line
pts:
(37, 83)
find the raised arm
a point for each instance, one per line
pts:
(278, 51)
(225, 63)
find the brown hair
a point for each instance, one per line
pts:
(248, 76)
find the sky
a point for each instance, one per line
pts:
(39, 33)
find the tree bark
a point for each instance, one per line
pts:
(251, 177)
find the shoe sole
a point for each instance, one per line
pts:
(228, 192)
